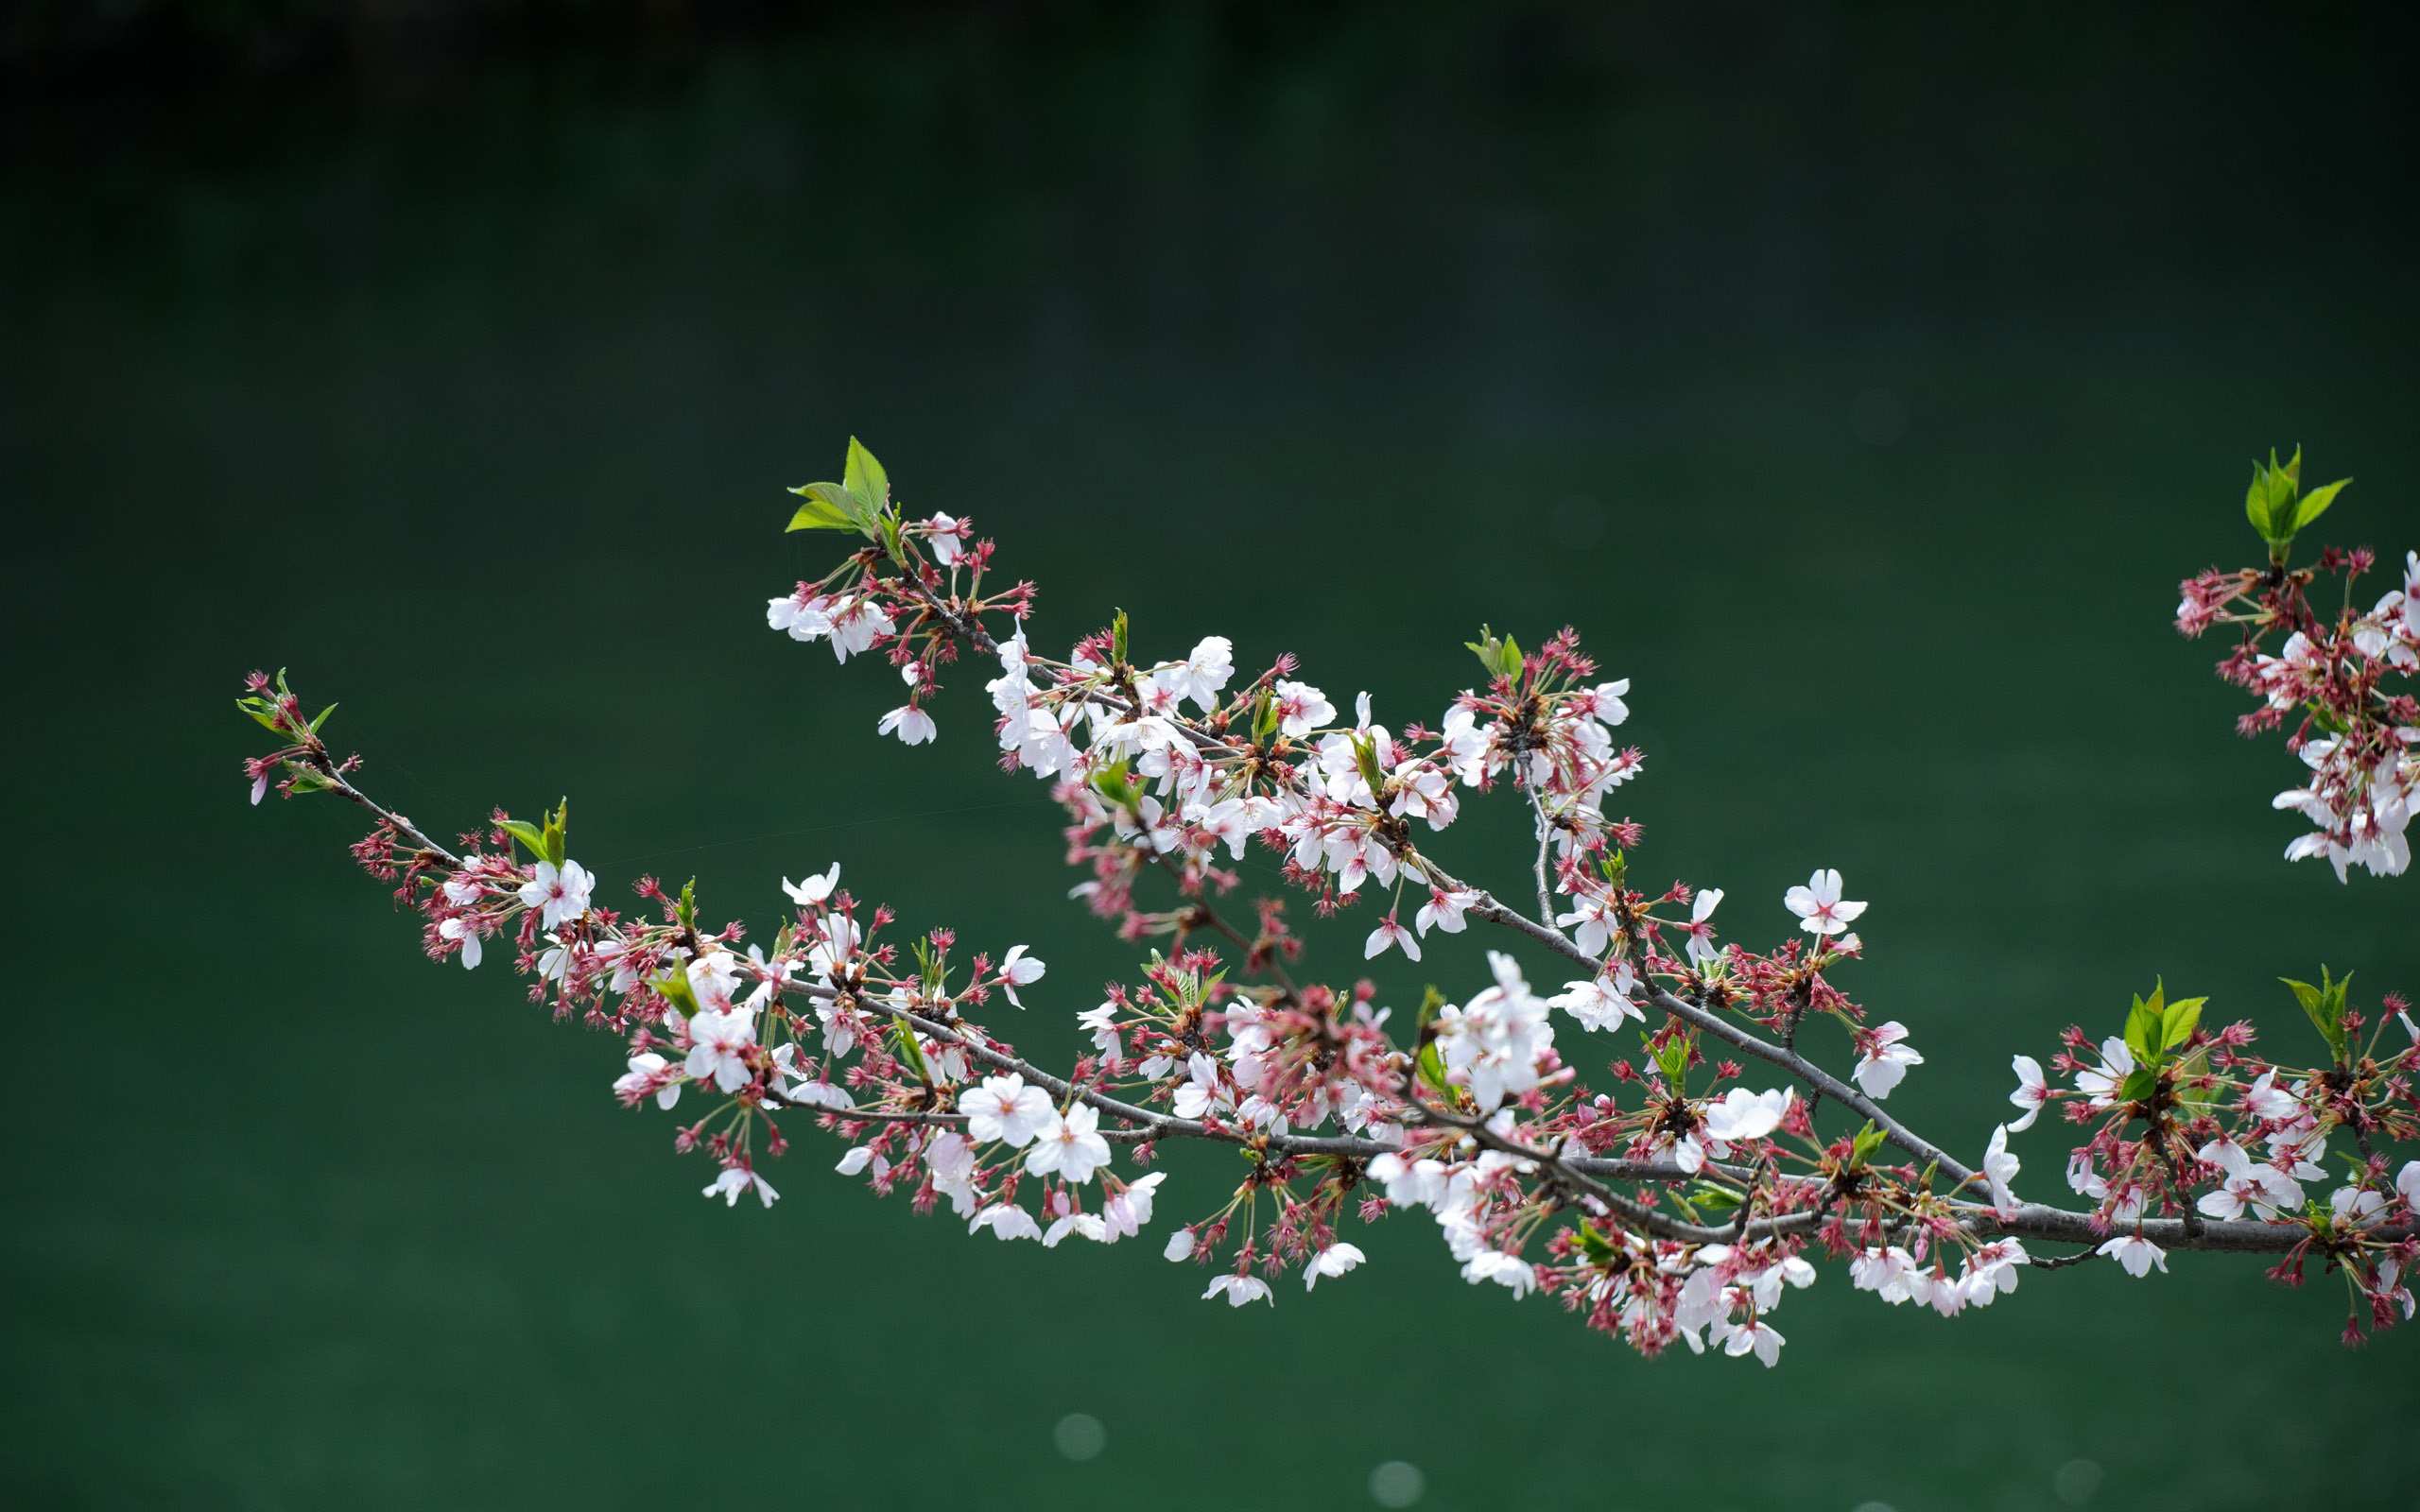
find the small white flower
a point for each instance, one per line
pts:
(558, 894)
(1069, 1145)
(1239, 1290)
(1760, 1336)
(913, 725)
(647, 1074)
(1506, 1270)
(1818, 905)
(1005, 1108)
(1006, 1221)
(1443, 910)
(736, 1181)
(462, 929)
(1999, 1169)
(719, 1045)
(814, 890)
(1180, 1245)
(1743, 1115)
(2137, 1254)
(1333, 1261)
(947, 538)
(1390, 932)
(1018, 970)
(2032, 1091)
(1887, 1064)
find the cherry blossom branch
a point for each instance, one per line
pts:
(1477, 1115)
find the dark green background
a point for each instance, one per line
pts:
(465, 380)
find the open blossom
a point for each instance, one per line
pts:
(1742, 1115)
(912, 725)
(461, 928)
(1886, 1064)
(1598, 923)
(559, 893)
(2032, 1091)
(1443, 910)
(1239, 1290)
(1819, 906)
(1505, 1270)
(1333, 1261)
(1301, 709)
(1701, 926)
(2136, 1253)
(719, 1046)
(814, 890)
(1068, 1145)
(1602, 1001)
(738, 1180)
(1005, 1108)
(649, 1072)
(1018, 970)
(1390, 933)
(1758, 1336)
(948, 538)
(1126, 1211)
(2117, 1064)
(1495, 1040)
(1006, 1221)
(1999, 1169)
(2245, 1185)
(1202, 676)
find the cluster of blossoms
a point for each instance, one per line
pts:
(1680, 1201)
(2359, 735)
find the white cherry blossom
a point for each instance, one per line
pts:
(1882, 1068)
(1390, 932)
(1068, 1146)
(559, 893)
(910, 724)
(736, 1181)
(1006, 1109)
(1819, 906)
(1334, 1261)
(1018, 970)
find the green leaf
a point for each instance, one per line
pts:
(826, 509)
(262, 711)
(2325, 1009)
(1431, 1066)
(1118, 636)
(2143, 1024)
(2197, 1102)
(1706, 1194)
(1500, 655)
(1365, 755)
(2315, 503)
(1869, 1142)
(1264, 714)
(903, 1044)
(2139, 1083)
(2176, 1024)
(1431, 1001)
(322, 718)
(1674, 1060)
(673, 988)
(866, 480)
(1595, 1247)
(527, 833)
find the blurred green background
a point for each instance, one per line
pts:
(1858, 379)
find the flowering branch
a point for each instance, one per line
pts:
(1679, 1204)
